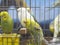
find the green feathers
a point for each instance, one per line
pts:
(6, 22)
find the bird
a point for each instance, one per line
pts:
(6, 22)
(55, 28)
(33, 27)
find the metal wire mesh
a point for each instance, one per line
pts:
(42, 10)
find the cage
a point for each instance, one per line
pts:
(44, 13)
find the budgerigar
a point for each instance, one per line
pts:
(55, 28)
(28, 21)
(6, 22)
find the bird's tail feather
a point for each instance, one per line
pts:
(39, 38)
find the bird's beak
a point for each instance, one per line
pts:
(4, 18)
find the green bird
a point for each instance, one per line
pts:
(28, 21)
(6, 22)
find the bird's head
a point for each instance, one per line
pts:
(23, 9)
(4, 15)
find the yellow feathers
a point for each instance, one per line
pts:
(51, 27)
(4, 15)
